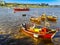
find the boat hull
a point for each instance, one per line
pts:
(40, 35)
(19, 9)
(51, 18)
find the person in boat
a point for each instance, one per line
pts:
(46, 28)
(43, 17)
(43, 30)
(26, 26)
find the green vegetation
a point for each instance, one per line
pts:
(42, 5)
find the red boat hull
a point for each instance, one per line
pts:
(46, 36)
(19, 9)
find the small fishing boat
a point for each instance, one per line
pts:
(35, 20)
(43, 17)
(39, 32)
(52, 18)
(20, 9)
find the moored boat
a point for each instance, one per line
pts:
(39, 32)
(52, 18)
(20, 9)
(35, 20)
(43, 17)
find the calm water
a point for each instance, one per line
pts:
(10, 20)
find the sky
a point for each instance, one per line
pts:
(51, 2)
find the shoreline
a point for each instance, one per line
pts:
(28, 7)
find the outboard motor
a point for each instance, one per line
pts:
(24, 25)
